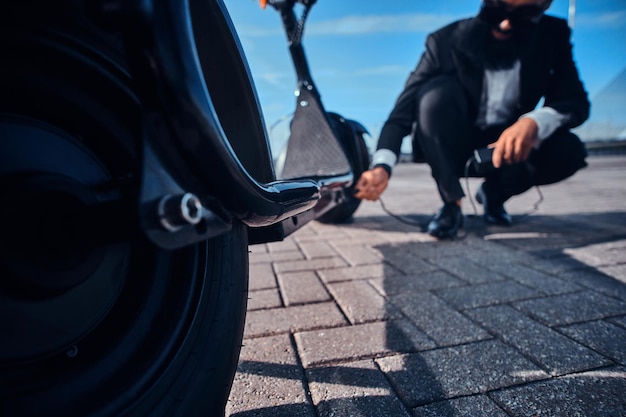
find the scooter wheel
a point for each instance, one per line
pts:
(94, 319)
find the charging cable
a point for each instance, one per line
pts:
(401, 219)
(470, 195)
(468, 164)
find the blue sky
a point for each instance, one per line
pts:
(361, 51)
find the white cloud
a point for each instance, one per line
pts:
(259, 31)
(276, 79)
(361, 25)
(609, 20)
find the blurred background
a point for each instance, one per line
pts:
(361, 52)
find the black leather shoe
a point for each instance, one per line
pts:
(494, 213)
(447, 222)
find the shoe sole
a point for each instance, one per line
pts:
(451, 234)
(496, 222)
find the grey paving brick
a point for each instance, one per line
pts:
(358, 255)
(437, 250)
(469, 271)
(315, 235)
(258, 248)
(592, 232)
(554, 352)
(593, 279)
(441, 323)
(550, 242)
(350, 343)
(406, 261)
(269, 381)
(263, 299)
(572, 308)
(306, 265)
(526, 275)
(286, 245)
(356, 389)
(317, 249)
(292, 319)
(498, 259)
(308, 231)
(602, 336)
(427, 281)
(361, 303)
(375, 231)
(555, 265)
(477, 405)
(540, 281)
(322, 230)
(261, 277)
(484, 248)
(486, 294)
(357, 272)
(591, 394)
(620, 321)
(423, 378)
(302, 287)
(268, 257)
(365, 238)
(600, 254)
(401, 234)
(616, 271)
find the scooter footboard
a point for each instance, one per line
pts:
(313, 150)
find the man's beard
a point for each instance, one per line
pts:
(502, 54)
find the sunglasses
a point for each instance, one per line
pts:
(493, 12)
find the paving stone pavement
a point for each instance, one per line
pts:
(376, 318)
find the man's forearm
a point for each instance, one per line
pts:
(548, 121)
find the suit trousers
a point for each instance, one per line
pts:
(447, 135)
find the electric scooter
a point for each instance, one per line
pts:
(316, 134)
(135, 172)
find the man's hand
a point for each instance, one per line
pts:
(515, 143)
(372, 184)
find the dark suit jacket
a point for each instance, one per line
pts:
(547, 70)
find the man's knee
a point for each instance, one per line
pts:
(559, 157)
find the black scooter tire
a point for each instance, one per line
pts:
(191, 379)
(199, 378)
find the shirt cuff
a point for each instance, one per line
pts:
(384, 157)
(548, 121)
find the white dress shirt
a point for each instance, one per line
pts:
(501, 91)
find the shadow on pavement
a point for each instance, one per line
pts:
(440, 359)
(565, 258)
